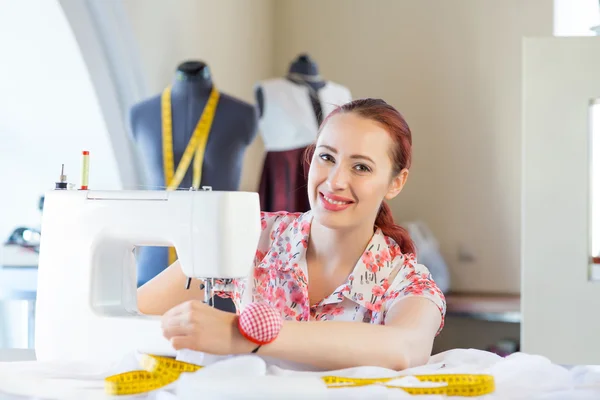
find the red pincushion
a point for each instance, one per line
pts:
(260, 323)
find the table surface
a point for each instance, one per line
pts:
(489, 307)
(474, 302)
(17, 355)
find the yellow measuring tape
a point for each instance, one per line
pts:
(159, 372)
(465, 385)
(195, 148)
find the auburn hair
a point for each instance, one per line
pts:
(401, 154)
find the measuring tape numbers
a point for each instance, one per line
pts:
(195, 147)
(159, 372)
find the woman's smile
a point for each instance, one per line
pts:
(332, 202)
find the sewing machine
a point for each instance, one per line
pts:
(87, 291)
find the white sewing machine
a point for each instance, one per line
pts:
(87, 301)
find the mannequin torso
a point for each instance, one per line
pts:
(234, 127)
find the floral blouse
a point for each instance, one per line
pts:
(381, 277)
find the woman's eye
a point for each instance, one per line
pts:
(326, 157)
(363, 168)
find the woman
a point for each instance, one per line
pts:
(343, 262)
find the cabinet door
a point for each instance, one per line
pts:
(560, 293)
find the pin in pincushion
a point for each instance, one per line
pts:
(260, 323)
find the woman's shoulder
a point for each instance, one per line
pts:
(275, 224)
(407, 270)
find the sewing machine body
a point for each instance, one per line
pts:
(87, 291)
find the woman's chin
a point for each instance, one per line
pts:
(332, 220)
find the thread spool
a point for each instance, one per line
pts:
(85, 170)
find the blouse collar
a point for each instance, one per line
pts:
(368, 281)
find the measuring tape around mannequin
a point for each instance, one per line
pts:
(159, 372)
(195, 148)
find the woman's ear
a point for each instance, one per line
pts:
(397, 184)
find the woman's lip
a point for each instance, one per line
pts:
(338, 206)
(337, 198)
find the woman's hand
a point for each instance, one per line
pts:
(197, 326)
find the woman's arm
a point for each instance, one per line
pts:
(405, 341)
(166, 290)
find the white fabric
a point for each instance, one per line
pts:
(288, 121)
(517, 377)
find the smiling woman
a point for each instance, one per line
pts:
(376, 151)
(327, 270)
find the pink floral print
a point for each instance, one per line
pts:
(280, 276)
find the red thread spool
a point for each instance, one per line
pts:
(260, 323)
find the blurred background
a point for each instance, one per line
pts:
(73, 73)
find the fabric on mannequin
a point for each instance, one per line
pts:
(313, 93)
(234, 127)
(283, 181)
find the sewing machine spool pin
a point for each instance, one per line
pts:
(62, 182)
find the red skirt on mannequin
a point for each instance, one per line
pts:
(283, 181)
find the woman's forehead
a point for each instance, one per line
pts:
(348, 133)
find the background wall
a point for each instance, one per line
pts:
(453, 69)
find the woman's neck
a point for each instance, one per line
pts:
(336, 249)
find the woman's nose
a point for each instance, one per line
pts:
(338, 179)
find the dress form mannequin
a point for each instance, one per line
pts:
(234, 127)
(291, 110)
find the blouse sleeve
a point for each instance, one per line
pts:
(235, 288)
(415, 280)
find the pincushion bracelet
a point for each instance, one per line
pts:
(260, 323)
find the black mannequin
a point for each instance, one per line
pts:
(234, 128)
(303, 71)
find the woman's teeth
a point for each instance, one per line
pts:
(335, 201)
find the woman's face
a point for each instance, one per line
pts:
(351, 172)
